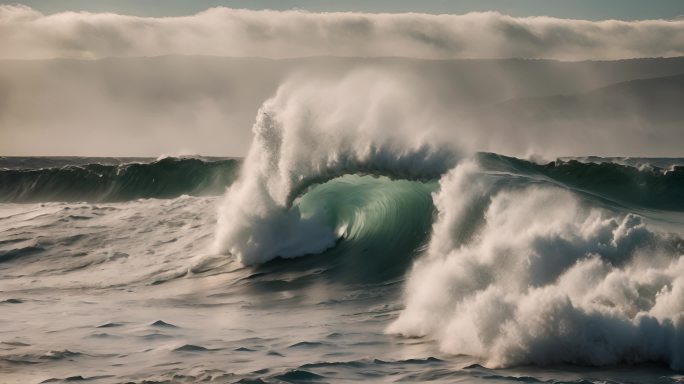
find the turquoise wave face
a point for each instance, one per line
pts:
(381, 224)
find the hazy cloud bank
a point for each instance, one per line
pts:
(29, 34)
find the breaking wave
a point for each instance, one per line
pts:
(301, 140)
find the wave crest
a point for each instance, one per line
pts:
(303, 137)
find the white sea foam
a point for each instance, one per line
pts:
(544, 279)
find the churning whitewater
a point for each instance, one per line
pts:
(347, 245)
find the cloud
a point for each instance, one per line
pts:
(28, 34)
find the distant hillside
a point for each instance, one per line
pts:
(658, 99)
(651, 107)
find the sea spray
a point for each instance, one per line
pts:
(303, 138)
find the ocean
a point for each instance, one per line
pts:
(372, 265)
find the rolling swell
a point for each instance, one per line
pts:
(648, 186)
(165, 178)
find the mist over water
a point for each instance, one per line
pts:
(433, 217)
(184, 105)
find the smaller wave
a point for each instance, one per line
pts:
(15, 253)
(165, 178)
(646, 185)
(299, 376)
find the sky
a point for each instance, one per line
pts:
(577, 9)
